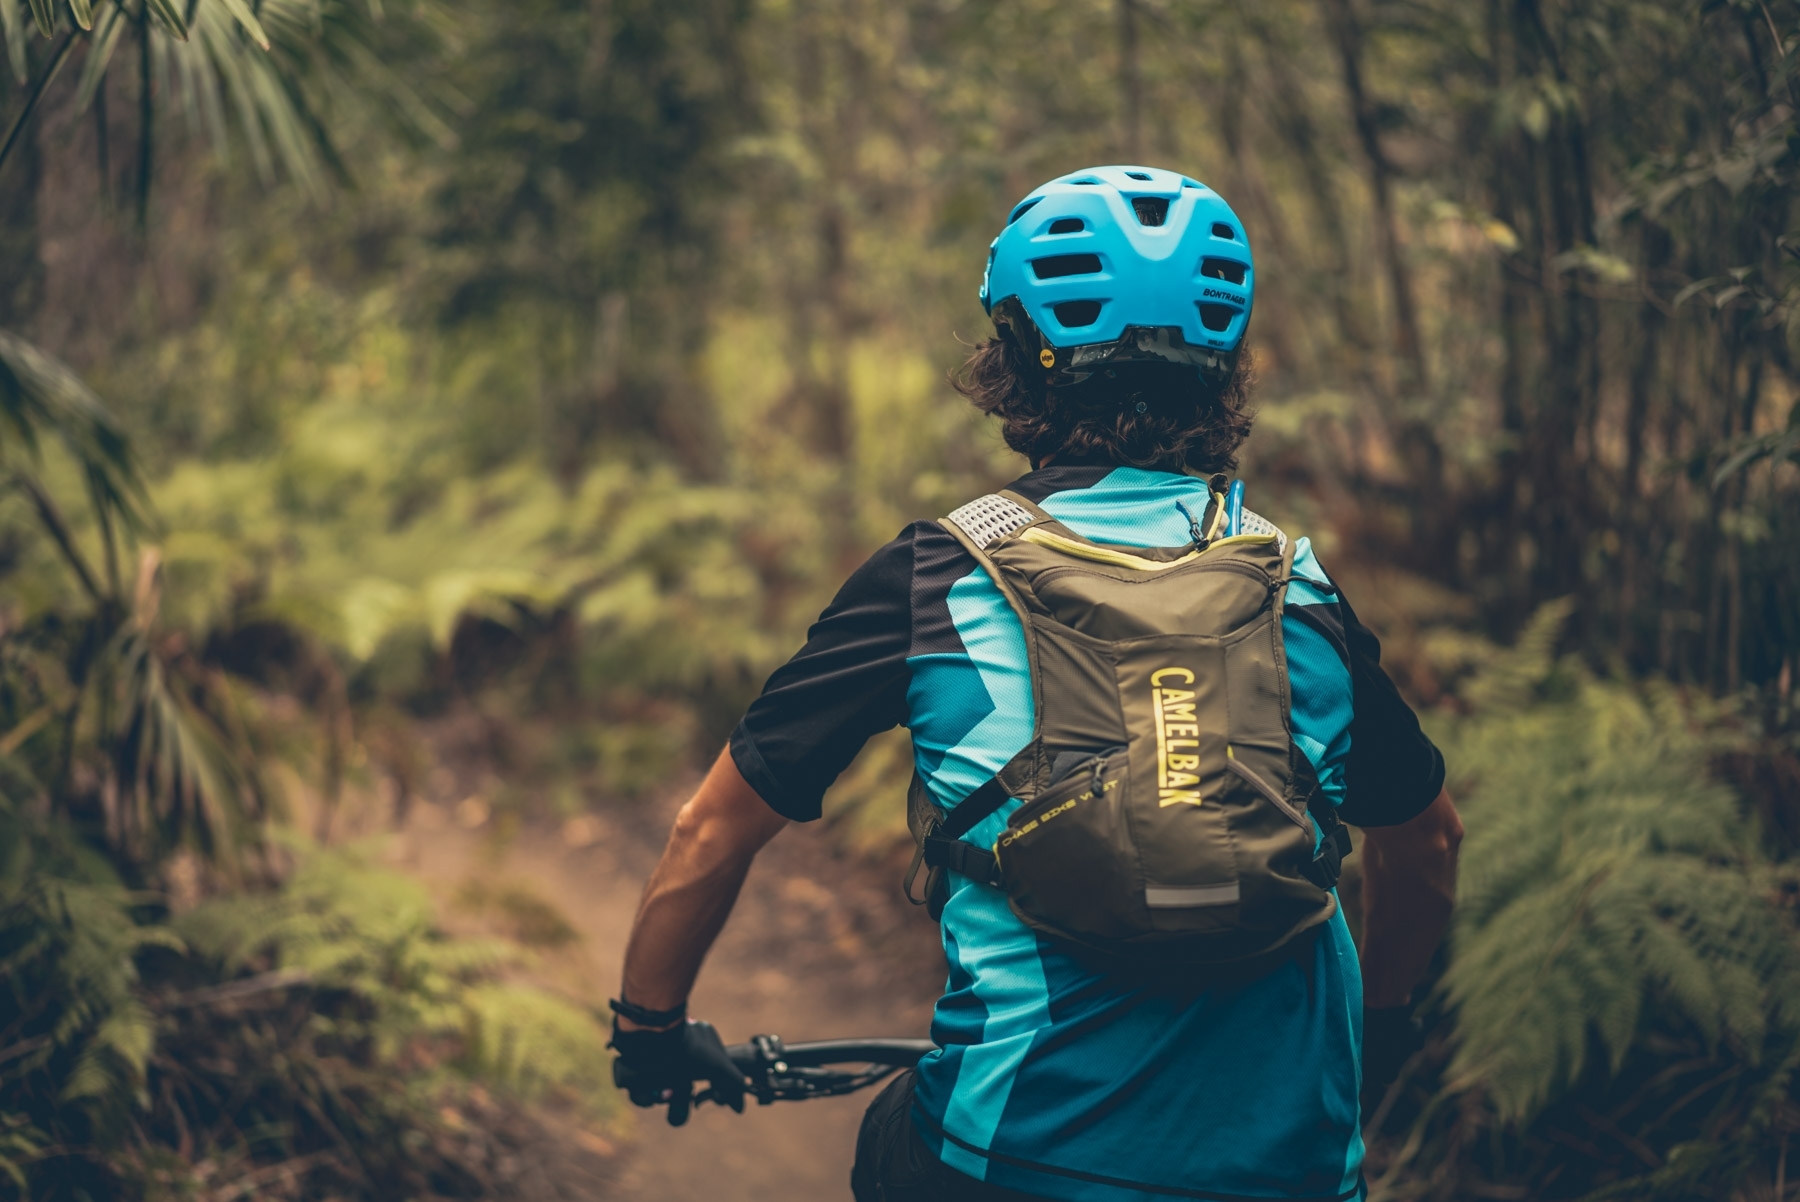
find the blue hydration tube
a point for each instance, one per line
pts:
(1234, 509)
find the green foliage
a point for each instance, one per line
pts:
(76, 1032)
(340, 925)
(134, 1049)
(107, 720)
(41, 398)
(278, 73)
(525, 916)
(1612, 886)
(257, 1029)
(600, 398)
(1620, 965)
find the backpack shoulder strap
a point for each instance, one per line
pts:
(939, 840)
(988, 519)
(1250, 522)
(1334, 836)
(986, 522)
(982, 523)
(981, 526)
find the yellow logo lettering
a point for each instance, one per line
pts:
(1176, 728)
(1007, 838)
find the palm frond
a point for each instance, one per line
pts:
(34, 92)
(99, 57)
(284, 69)
(173, 779)
(40, 398)
(12, 28)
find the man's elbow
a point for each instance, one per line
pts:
(1436, 832)
(693, 824)
(1423, 851)
(1445, 842)
(1441, 846)
(724, 825)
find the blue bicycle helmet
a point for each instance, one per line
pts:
(1119, 263)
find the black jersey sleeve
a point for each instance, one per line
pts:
(1395, 771)
(845, 685)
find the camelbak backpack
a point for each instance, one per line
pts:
(1168, 817)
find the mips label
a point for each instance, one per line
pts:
(1177, 737)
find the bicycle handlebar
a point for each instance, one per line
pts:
(779, 1072)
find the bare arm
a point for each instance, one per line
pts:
(716, 835)
(1409, 886)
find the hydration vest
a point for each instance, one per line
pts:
(1168, 818)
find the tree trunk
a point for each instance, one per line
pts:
(1654, 240)
(1347, 31)
(1286, 95)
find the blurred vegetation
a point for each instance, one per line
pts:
(551, 363)
(1623, 968)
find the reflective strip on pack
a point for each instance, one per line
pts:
(1159, 897)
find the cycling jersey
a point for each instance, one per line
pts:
(1052, 1078)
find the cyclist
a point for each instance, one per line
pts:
(1120, 296)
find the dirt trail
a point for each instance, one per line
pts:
(818, 948)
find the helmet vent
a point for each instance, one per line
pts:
(1022, 210)
(1229, 270)
(1150, 210)
(1060, 265)
(1090, 181)
(1217, 318)
(1138, 175)
(1067, 225)
(1075, 314)
(1221, 230)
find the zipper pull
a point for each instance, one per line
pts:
(1194, 530)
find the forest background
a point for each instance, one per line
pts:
(551, 363)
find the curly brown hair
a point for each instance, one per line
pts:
(1146, 414)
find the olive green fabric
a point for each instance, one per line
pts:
(1185, 833)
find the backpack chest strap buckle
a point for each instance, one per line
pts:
(964, 859)
(1334, 847)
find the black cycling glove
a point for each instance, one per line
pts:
(1391, 1034)
(658, 1066)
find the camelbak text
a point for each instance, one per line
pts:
(1177, 737)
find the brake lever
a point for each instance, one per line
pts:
(763, 1062)
(769, 1056)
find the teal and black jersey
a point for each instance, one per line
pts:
(1051, 1078)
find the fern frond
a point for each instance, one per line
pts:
(1510, 681)
(529, 1042)
(1611, 883)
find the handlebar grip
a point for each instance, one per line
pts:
(774, 1071)
(628, 1079)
